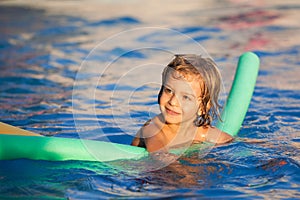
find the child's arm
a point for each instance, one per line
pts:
(150, 136)
(135, 141)
(139, 140)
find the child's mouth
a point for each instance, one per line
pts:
(171, 112)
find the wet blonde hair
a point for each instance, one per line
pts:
(206, 71)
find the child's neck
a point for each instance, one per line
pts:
(180, 134)
(180, 127)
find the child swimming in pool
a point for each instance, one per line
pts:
(188, 101)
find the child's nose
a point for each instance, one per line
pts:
(173, 100)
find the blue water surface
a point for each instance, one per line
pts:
(53, 65)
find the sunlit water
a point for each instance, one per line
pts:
(54, 62)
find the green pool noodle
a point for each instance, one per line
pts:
(240, 94)
(16, 143)
(60, 149)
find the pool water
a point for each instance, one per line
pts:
(91, 69)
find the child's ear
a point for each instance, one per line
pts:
(208, 105)
(203, 110)
(200, 111)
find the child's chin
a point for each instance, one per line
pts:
(172, 120)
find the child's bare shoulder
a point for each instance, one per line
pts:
(152, 127)
(215, 135)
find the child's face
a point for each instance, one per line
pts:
(179, 101)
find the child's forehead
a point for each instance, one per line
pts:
(190, 83)
(182, 75)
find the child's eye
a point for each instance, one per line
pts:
(168, 90)
(185, 97)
